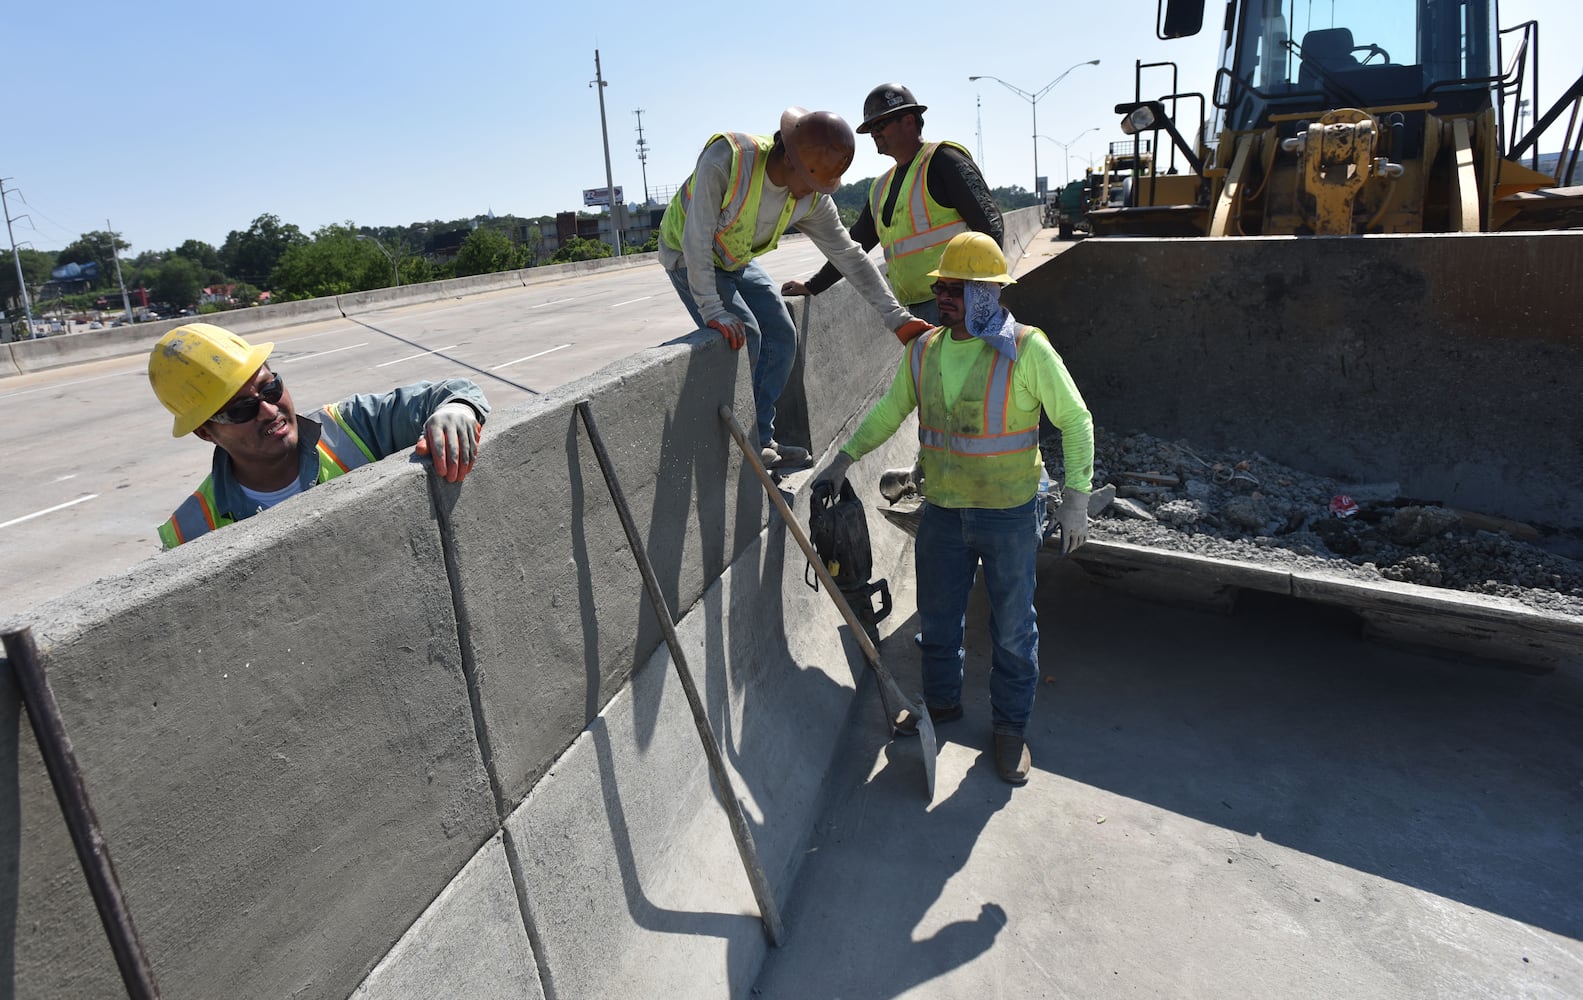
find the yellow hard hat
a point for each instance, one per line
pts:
(973, 257)
(195, 368)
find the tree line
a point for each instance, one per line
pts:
(276, 261)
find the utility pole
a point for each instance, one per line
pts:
(126, 301)
(604, 132)
(643, 156)
(5, 209)
(979, 102)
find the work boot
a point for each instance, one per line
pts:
(1012, 760)
(787, 456)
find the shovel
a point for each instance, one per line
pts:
(910, 714)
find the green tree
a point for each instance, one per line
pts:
(578, 248)
(649, 246)
(252, 255)
(1008, 198)
(177, 282)
(486, 251)
(95, 248)
(36, 265)
(334, 262)
(202, 254)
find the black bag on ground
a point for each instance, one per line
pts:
(839, 532)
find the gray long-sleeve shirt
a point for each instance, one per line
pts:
(815, 217)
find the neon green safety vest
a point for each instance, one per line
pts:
(981, 451)
(739, 212)
(340, 450)
(919, 228)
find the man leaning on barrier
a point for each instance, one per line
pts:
(220, 389)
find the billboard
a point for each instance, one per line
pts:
(600, 196)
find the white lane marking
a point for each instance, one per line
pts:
(47, 510)
(320, 354)
(530, 357)
(409, 357)
(62, 385)
(628, 302)
(553, 302)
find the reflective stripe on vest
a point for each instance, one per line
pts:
(340, 450)
(919, 224)
(738, 219)
(972, 454)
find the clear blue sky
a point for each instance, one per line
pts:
(178, 120)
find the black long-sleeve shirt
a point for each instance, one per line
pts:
(954, 182)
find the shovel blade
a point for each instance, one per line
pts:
(930, 746)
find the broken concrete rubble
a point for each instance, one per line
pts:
(1247, 507)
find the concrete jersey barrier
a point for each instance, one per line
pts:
(431, 699)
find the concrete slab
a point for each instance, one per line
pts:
(1251, 805)
(632, 880)
(470, 944)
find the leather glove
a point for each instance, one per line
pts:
(795, 288)
(833, 474)
(734, 330)
(1072, 517)
(910, 329)
(451, 437)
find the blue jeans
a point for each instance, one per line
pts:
(753, 298)
(951, 544)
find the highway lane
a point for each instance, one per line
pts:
(94, 469)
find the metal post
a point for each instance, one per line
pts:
(86, 836)
(126, 300)
(604, 133)
(27, 306)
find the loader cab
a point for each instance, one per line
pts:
(1283, 57)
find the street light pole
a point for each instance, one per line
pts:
(1066, 147)
(604, 133)
(394, 274)
(1033, 100)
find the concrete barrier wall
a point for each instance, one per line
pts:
(309, 737)
(1021, 225)
(1446, 363)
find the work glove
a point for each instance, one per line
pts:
(833, 474)
(451, 438)
(733, 329)
(795, 288)
(1072, 518)
(910, 329)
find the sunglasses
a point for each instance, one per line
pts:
(245, 411)
(954, 290)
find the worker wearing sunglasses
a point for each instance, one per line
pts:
(221, 389)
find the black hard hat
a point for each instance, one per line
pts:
(884, 100)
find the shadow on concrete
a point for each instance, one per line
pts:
(1278, 722)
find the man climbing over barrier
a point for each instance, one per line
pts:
(934, 192)
(979, 382)
(220, 389)
(749, 189)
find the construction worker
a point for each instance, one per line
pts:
(934, 192)
(220, 389)
(979, 381)
(750, 189)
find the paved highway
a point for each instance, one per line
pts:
(95, 470)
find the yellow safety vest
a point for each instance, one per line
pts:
(919, 228)
(739, 212)
(981, 451)
(339, 449)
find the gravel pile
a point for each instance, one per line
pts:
(1249, 508)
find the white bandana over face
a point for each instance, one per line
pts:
(987, 319)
